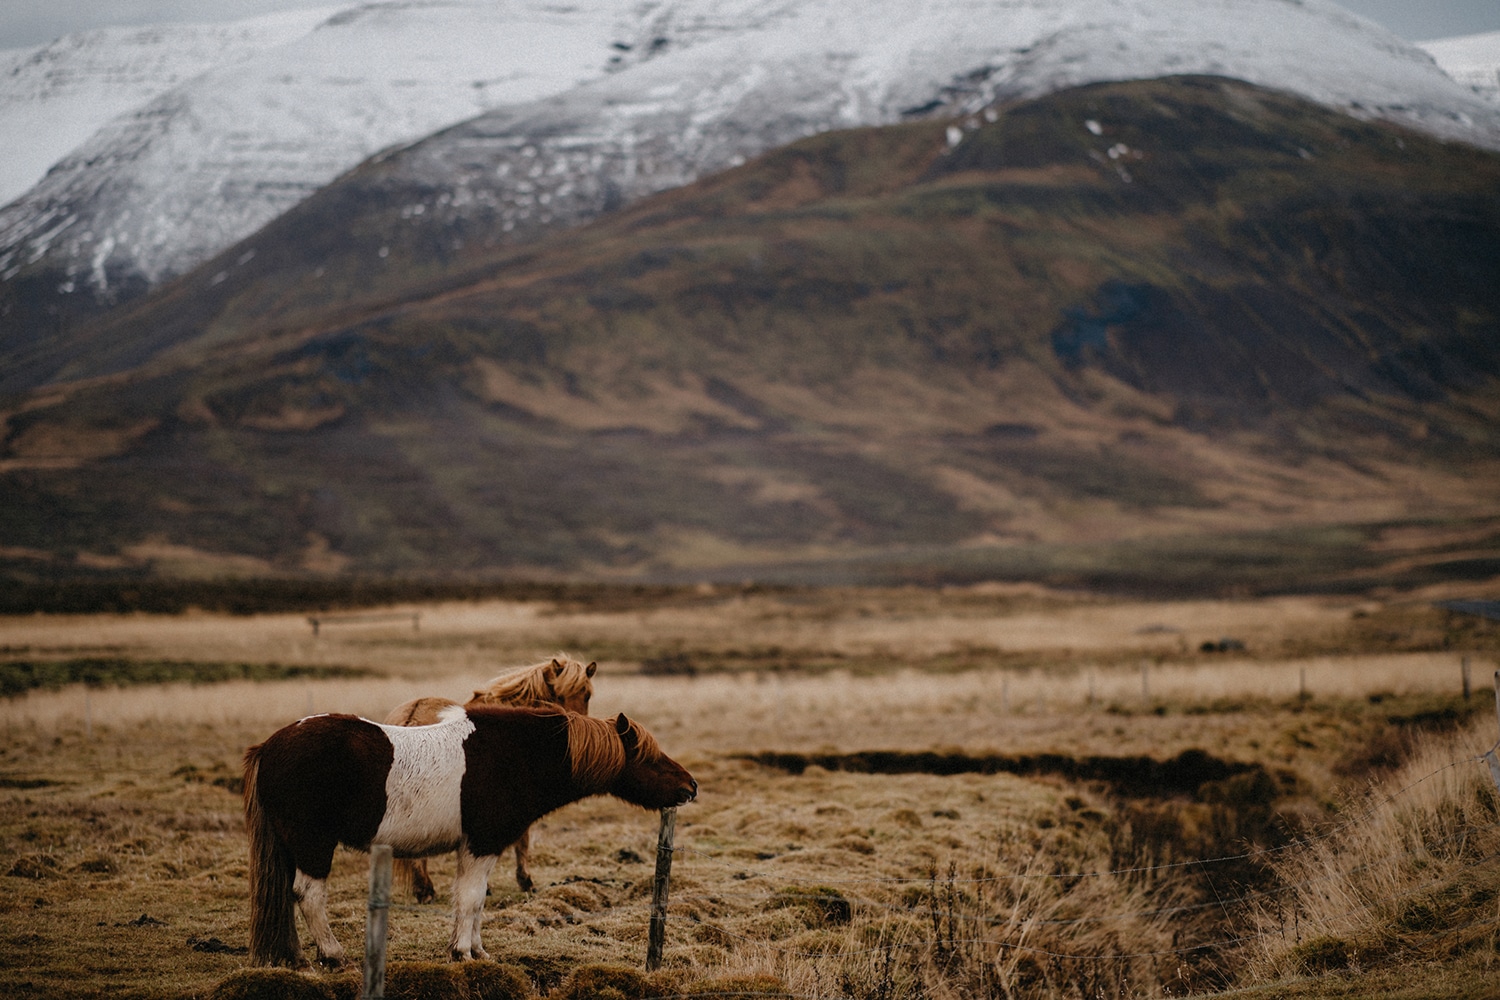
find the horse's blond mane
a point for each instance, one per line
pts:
(596, 754)
(528, 685)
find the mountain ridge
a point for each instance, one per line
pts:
(650, 100)
(1114, 318)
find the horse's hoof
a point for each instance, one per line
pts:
(525, 884)
(331, 962)
(426, 897)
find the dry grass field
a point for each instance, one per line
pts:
(905, 794)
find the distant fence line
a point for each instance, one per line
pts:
(373, 618)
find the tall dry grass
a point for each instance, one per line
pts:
(749, 711)
(1412, 864)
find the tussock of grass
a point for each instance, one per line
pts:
(1411, 870)
(272, 984)
(820, 906)
(403, 981)
(425, 981)
(604, 982)
(747, 986)
(488, 981)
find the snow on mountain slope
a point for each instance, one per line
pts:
(55, 96)
(696, 110)
(1473, 60)
(621, 98)
(167, 184)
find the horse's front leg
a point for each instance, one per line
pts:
(523, 851)
(312, 899)
(469, 888)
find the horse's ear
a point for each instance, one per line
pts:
(552, 670)
(626, 730)
(588, 671)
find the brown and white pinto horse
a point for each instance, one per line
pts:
(559, 681)
(470, 783)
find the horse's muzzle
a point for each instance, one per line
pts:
(690, 793)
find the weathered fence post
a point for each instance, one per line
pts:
(1493, 757)
(657, 935)
(376, 921)
(1468, 687)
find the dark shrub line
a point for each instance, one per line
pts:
(19, 676)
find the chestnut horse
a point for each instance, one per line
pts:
(470, 783)
(558, 681)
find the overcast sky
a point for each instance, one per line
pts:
(33, 22)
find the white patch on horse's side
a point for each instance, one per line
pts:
(454, 711)
(422, 809)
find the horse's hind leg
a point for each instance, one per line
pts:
(523, 852)
(312, 898)
(422, 888)
(468, 904)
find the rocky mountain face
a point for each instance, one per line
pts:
(1183, 329)
(582, 110)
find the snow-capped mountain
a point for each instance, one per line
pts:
(54, 97)
(1473, 60)
(712, 106)
(161, 187)
(585, 107)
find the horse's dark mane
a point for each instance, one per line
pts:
(596, 754)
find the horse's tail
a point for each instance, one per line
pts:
(273, 919)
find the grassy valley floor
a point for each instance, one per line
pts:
(905, 793)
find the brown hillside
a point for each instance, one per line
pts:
(1181, 333)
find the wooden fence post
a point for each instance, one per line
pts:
(1468, 687)
(1493, 757)
(657, 934)
(376, 922)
